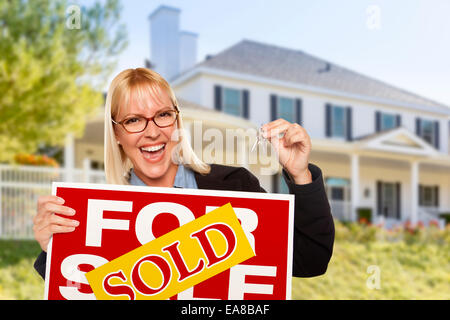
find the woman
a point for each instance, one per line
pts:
(144, 147)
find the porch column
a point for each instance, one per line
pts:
(414, 192)
(69, 158)
(354, 186)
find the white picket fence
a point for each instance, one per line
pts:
(21, 186)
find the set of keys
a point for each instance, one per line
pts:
(262, 141)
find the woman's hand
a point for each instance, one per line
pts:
(293, 148)
(46, 222)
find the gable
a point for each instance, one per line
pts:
(401, 140)
(398, 140)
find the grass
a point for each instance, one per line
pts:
(409, 263)
(18, 279)
(406, 271)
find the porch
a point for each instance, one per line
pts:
(392, 177)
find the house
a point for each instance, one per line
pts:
(381, 149)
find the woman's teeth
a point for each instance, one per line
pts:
(153, 148)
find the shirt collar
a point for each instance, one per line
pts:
(184, 178)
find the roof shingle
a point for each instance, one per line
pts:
(273, 62)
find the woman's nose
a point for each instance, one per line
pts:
(152, 130)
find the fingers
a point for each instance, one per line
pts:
(43, 236)
(291, 132)
(55, 220)
(296, 134)
(55, 208)
(48, 220)
(44, 199)
(275, 128)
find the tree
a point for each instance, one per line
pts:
(54, 61)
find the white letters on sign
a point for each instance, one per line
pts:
(144, 220)
(95, 221)
(70, 271)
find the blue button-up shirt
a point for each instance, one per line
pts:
(184, 178)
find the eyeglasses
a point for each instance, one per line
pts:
(162, 119)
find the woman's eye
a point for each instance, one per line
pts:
(164, 114)
(132, 120)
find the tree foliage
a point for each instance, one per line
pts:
(51, 74)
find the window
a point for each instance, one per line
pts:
(388, 121)
(337, 193)
(232, 101)
(289, 109)
(428, 131)
(429, 196)
(338, 189)
(286, 109)
(338, 123)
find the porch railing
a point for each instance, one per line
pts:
(429, 214)
(341, 210)
(21, 186)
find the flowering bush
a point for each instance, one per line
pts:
(35, 160)
(364, 232)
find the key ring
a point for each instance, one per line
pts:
(260, 140)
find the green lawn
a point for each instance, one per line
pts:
(412, 264)
(18, 279)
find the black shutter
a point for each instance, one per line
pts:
(418, 127)
(218, 97)
(298, 109)
(379, 198)
(377, 121)
(245, 103)
(273, 107)
(349, 125)
(420, 195)
(436, 196)
(328, 120)
(399, 199)
(398, 120)
(436, 134)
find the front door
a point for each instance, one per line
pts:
(388, 199)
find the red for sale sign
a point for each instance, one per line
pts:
(116, 219)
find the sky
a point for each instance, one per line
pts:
(405, 43)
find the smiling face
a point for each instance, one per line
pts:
(150, 150)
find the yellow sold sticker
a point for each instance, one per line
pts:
(175, 261)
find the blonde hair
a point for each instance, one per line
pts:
(117, 164)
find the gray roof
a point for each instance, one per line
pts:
(269, 61)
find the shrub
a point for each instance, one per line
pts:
(364, 215)
(407, 233)
(446, 216)
(35, 160)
